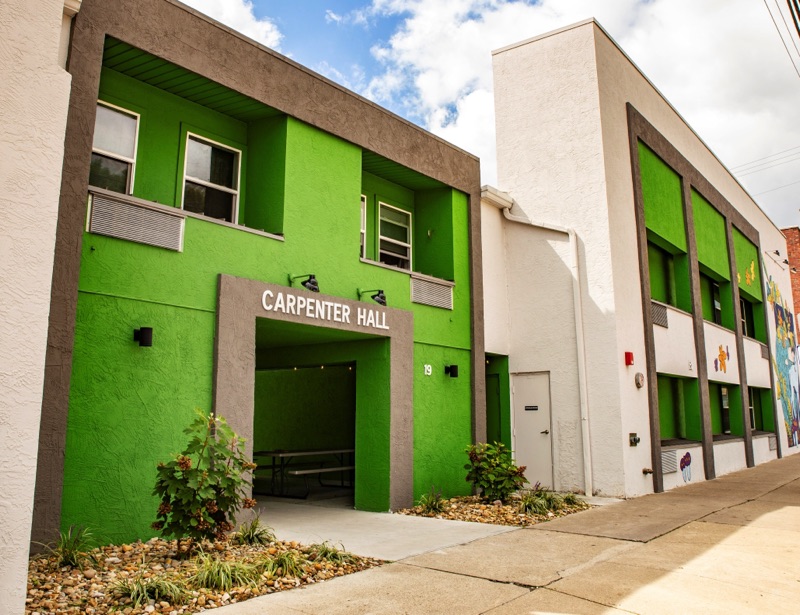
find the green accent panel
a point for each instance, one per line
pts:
(735, 415)
(748, 267)
(767, 417)
(433, 233)
(267, 179)
(498, 400)
(662, 196)
(758, 323)
(442, 421)
(712, 243)
(706, 297)
(372, 413)
(690, 391)
(164, 75)
(668, 409)
(128, 408)
(715, 405)
(661, 282)
(288, 413)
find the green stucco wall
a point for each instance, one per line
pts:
(498, 400)
(128, 405)
(663, 201)
(748, 268)
(712, 244)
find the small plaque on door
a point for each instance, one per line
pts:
(531, 408)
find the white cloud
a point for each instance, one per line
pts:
(720, 62)
(331, 17)
(238, 14)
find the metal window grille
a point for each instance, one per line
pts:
(659, 313)
(123, 219)
(429, 292)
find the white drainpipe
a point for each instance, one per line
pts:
(504, 202)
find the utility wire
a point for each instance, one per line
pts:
(778, 188)
(747, 164)
(769, 165)
(785, 46)
(794, 9)
(788, 29)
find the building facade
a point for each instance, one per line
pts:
(245, 218)
(647, 323)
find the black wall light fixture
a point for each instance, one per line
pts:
(309, 283)
(144, 336)
(379, 297)
(451, 370)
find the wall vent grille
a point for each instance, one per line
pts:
(764, 351)
(773, 443)
(430, 292)
(659, 315)
(669, 462)
(124, 219)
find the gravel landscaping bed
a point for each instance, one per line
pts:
(475, 509)
(92, 587)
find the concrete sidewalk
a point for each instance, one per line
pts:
(731, 545)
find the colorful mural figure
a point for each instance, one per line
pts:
(750, 274)
(784, 362)
(686, 467)
(721, 362)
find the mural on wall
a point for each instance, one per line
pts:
(721, 362)
(686, 467)
(784, 362)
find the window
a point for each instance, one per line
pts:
(748, 322)
(725, 410)
(211, 185)
(363, 251)
(661, 274)
(710, 297)
(756, 419)
(114, 148)
(395, 237)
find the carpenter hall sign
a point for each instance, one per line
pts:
(319, 309)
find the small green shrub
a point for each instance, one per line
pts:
(141, 590)
(254, 533)
(539, 501)
(532, 503)
(432, 502)
(570, 499)
(71, 548)
(330, 553)
(492, 470)
(202, 488)
(289, 563)
(214, 573)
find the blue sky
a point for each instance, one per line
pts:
(723, 64)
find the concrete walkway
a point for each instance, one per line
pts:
(731, 545)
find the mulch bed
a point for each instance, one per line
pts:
(89, 589)
(473, 508)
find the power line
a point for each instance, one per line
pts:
(747, 164)
(794, 9)
(770, 165)
(783, 17)
(778, 188)
(780, 34)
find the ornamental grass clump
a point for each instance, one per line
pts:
(215, 573)
(492, 471)
(203, 487)
(432, 503)
(141, 590)
(71, 548)
(253, 532)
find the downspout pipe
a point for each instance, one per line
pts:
(504, 202)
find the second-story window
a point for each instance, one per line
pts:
(395, 236)
(211, 185)
(363, 252)
(114, 148)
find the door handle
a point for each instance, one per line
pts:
(545, 432)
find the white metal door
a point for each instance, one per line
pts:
(532, 431)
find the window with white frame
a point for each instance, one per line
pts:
(211, 179)
(114, 148)
(363, 252)
(395, 236)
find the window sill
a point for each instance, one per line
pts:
(181, 213)
(718, 326)
(408, 272)
(671, 307)
(679, 443)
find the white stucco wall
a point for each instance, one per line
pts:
(550, 159)
(495, 281)
(33, 109)
(722, 361)
(761, 449)
(675, 351)
(692, 458)
(757, 366)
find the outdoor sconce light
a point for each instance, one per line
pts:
(379, 297)
(310, 282)
(144, 336)
(777, 252)
(451, 370)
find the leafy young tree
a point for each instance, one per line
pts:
(492, 470)
(203, 487)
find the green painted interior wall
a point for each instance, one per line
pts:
(668, 407)
(123, 285)
(442, 423)
(762, 409)
(372, 399)
(498, 408)
(736, 417)
(679, 408)
(662, 280)
(128, 408)
(305, 408)
(690, 391)
(433, 232)
(711, 238)
(663, 200)
(748, 267)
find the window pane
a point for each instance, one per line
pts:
(108, 173)
(396, 216)
(115, 132)
(208, 201)
(211, 164)
(392, 231)
(388, 246)
(394, 261)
